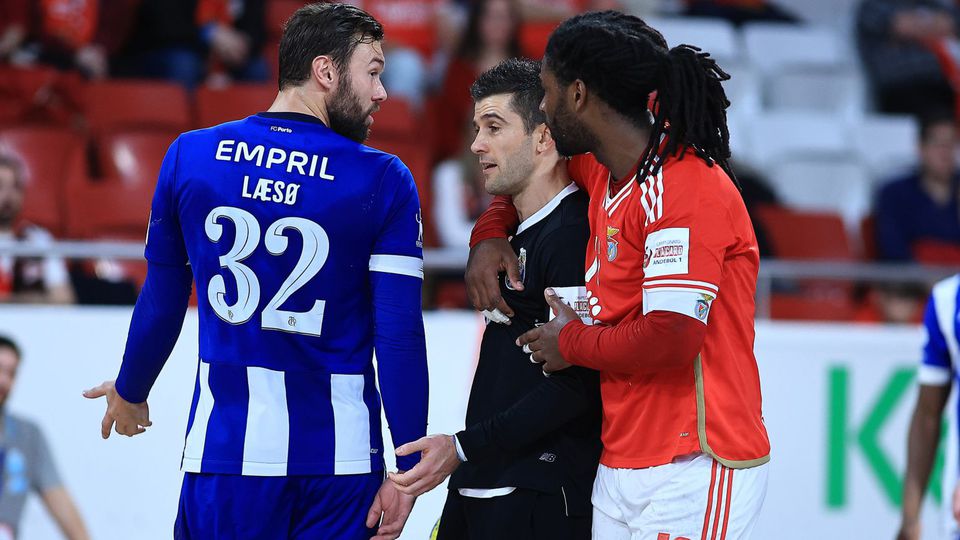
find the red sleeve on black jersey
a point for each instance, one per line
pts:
(497, 221)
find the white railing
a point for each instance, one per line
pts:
(452, 259)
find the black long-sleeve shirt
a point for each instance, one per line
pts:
(523, 429)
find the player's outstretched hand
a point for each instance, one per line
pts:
(487, 259)
(438, 461)
(955, 506)
(391, 508)
(131, 418)
(543, 343)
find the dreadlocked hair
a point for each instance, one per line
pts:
(623, 61)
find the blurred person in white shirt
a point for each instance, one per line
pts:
(27, 279)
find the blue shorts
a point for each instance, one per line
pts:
(234, 507)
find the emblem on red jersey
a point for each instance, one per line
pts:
(703, 308)
(612, 244)
(647, 255)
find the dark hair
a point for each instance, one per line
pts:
(7, 343)
(315, 30)
(934, 118)
(470, 44)
(623, 60)
(8, 161)
(520, 79)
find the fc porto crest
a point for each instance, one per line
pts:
(613, 246)
(420, 227)
(522, 262)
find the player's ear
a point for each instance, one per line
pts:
(325, 72)
(543, 138)
(578, 93)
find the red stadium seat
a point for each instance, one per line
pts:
(395, 119)
(134, 157)
(232, 103)
(118, 206)
(868, 238)
(52, 158)
(417, 159)
(271, 53)
(38, 95)
(800, 307)
(810, 236)
(806, 235)
(108, 210)
(278, 11)
(534, 37)
(136, 104)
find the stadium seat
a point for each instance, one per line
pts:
(232, 103)
(107, 210)
(868, 238)
(838, 186)
(417, 158)
(809, 236)
(271, 53)
(775, 46)
(783, 135)
(806, 235)
(830, 90)
(837, 14)
(278, 11)
(534, 37)
(744, 89)
(808, 307)
(133, 158)
(395, 119)
(136, 104)
(38, 95)
(52, 158)
(888, 144)
(715, 36)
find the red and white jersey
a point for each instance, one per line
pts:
(679, 241)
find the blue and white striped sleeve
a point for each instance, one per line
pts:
(936, 368)
(396, 278)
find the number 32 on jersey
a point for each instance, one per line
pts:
(316, 248)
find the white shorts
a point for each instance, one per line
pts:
(693, 498)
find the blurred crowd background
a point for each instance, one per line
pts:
(843, 122)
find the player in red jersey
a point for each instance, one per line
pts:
(671, 276)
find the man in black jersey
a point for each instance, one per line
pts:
(524, 466)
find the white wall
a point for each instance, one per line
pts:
(128, 488)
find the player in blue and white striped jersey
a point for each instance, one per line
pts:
(936, 374)
(306, 249)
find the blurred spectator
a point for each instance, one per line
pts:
(235, 33)
(27, 463)
(459, 198)
(739, 11)
(491, 36)
(922, 208)
(891, 303)
(904, 47)
(186, 40)
(65, 34)
(416, 31)
(27, 279)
